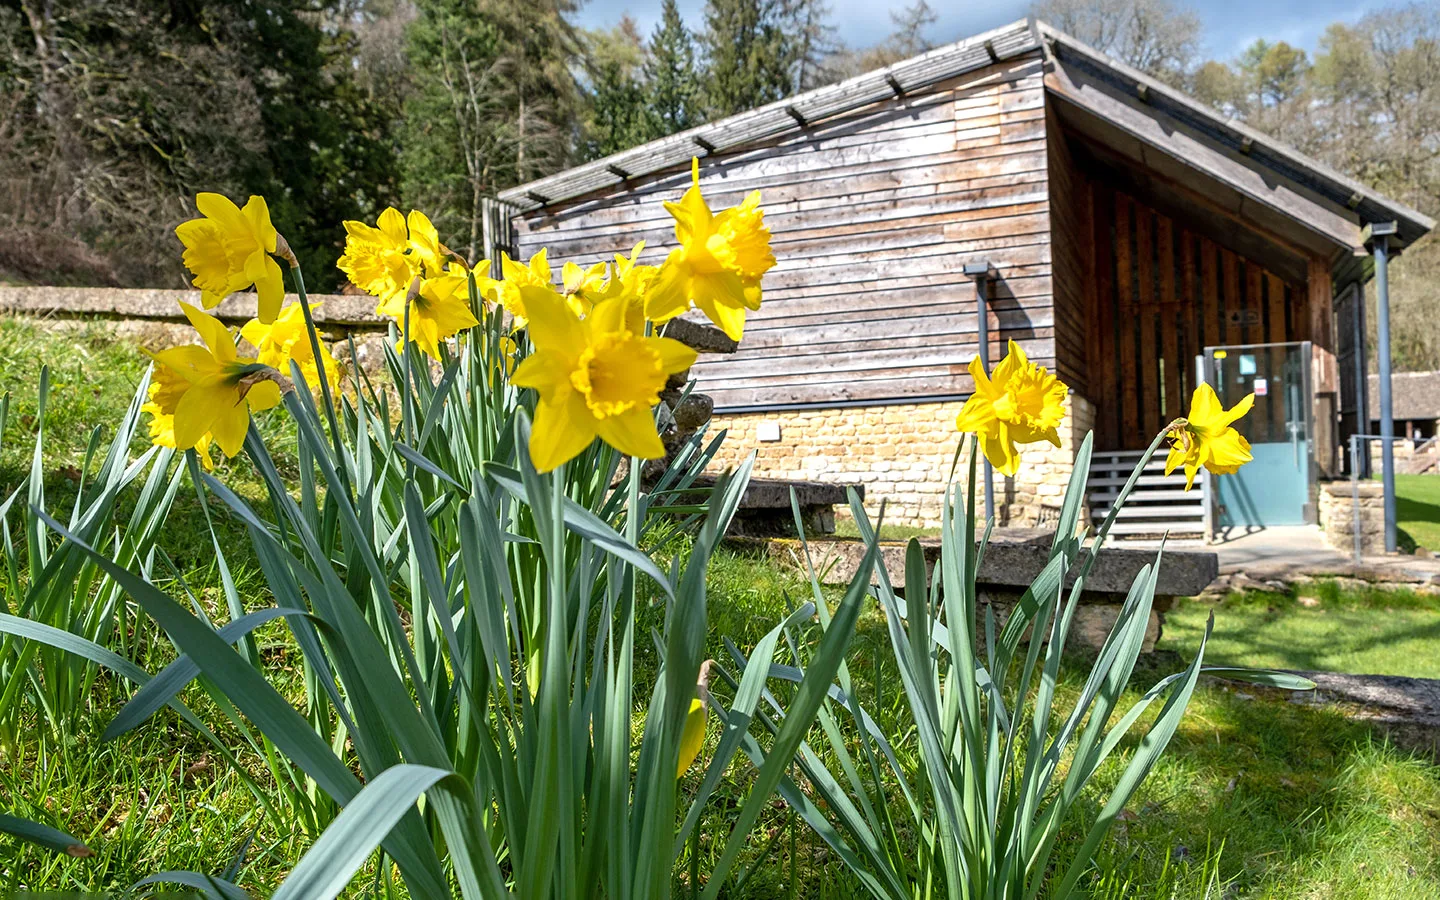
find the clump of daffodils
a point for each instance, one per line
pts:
(591, 354)
(401, 261)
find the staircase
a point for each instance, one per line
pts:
(1158, 505)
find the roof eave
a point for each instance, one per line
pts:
(1367, 204)
(781, 117)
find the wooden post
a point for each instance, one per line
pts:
(1325, 374)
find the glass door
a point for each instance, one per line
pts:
(1275, 488)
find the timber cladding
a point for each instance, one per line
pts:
(1161, 295)
(873, 215)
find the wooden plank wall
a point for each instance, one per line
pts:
(1073, 258)
(1164, 293)
(873, 215)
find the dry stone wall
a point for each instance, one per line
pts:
(902, 454)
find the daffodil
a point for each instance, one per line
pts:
(1020, 403)
(582, 286)
(375, 258)
(595, 378)
(228, 250)
(400, 259)
(1206, 437)
(210, 391)
(719, 263)
(165, 390)
(440, 310)
(287, 339)
(515, 276)
(630, 283)
(692, 737)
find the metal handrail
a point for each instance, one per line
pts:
(1355, 440)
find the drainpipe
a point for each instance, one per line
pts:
(983, 273)
(1377, 235)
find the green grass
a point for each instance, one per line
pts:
(1417, 509)
(1317, 627)
(1269, 798)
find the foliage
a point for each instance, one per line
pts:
(618, 115)
(492, 102)
(991, 796)
(113, 112)
(752, 52)
(50, 585)
(672, 80)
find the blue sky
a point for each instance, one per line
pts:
(1229, 24)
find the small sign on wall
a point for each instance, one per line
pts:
(769, 432)
(1260, 386)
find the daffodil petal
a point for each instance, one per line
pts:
(632, 433)
(561, 432)
(229, 427)
(270, 290)
(674, 356)
(212, 331)
(197, 411)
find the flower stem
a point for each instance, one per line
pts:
(325, 395)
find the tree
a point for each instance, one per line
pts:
(617, 116)
(114, 115)
(671, 80)
(911, 23)
(907, 40)
(1158, 37)
(751, 52)
(494, 103)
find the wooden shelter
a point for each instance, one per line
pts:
(1128, 229)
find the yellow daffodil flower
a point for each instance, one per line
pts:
(228, 250)
(583, 286)
(209, 390)
(595, 378)
(692, 738)
(439, 311)
(165, 390)
(286, 339)
(1021, 403)
(401, 258)
(425, 243)
(375, 259)
(1205, 437)
(630, 283)
(515, 276)
(719, 263)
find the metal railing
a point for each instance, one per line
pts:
(1358, 465)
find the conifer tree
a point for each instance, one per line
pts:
(750, 57)
(671, 80)
(617, 116)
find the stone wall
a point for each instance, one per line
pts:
(902, 454)
(1337, 516)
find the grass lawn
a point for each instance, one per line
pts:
(1417, 510)
(1317, 627)
(1257, 797)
